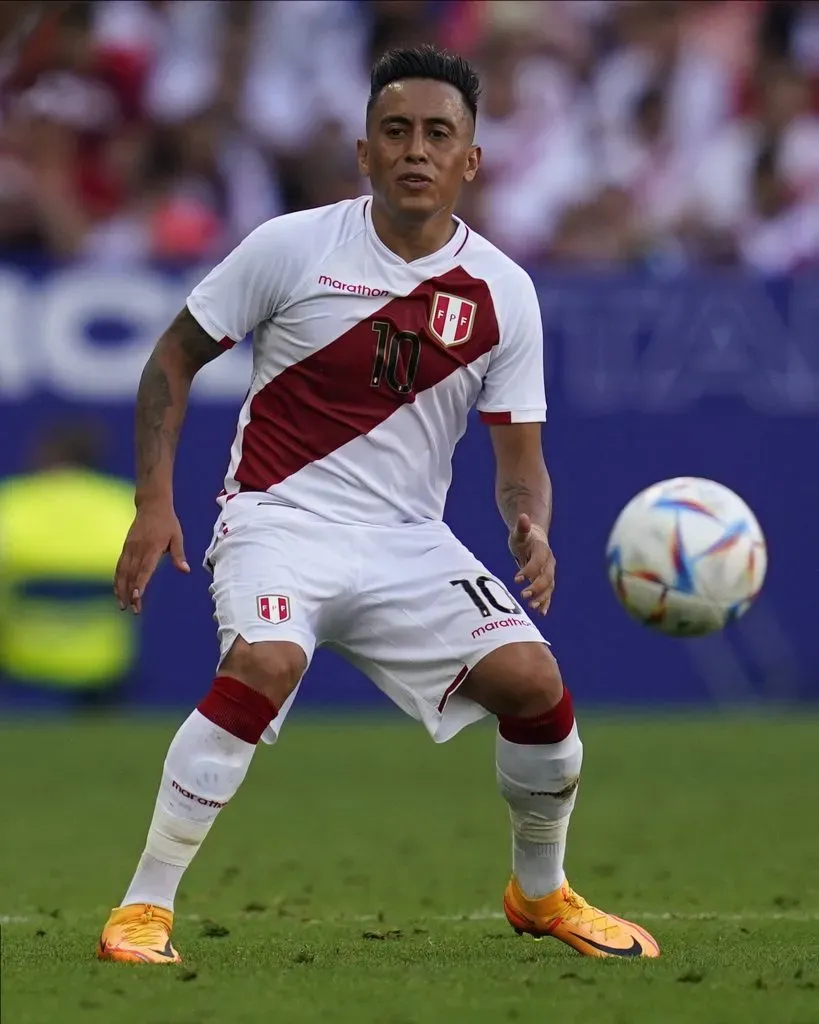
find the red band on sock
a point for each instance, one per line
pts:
(551, 727)
(235, 707)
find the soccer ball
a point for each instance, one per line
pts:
(686, 557)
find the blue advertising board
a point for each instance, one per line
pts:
(712, 375)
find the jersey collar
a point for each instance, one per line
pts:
(448, 251)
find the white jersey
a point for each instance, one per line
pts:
(365, 366)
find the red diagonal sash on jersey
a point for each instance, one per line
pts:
(321, 403)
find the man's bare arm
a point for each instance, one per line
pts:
(522, 482)
(162, 401)
(523, 490)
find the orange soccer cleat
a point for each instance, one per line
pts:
(138, 934)
(566, 916)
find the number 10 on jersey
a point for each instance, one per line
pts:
(396, 358)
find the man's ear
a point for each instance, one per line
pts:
(473, 162)
(363, 153)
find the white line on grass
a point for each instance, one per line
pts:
(669, 915)
(749, 916)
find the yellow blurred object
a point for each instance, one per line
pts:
(61, 533)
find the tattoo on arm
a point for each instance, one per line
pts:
(153, 435)
(532, 497)
(512, 494)
(162, 398)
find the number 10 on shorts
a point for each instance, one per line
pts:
(481, 595)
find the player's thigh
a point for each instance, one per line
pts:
(275, 584)
(436, 613)
(519, 680)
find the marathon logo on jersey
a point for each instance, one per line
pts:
(355, 289)
(273, 607)
(452, 318)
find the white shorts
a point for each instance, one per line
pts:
(410, 606)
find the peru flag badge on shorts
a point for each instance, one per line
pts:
(273, 607)
(452, 318)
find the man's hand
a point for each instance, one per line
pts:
(529, 545)
(154, 531)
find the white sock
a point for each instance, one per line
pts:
(539, 783)
(204, 767)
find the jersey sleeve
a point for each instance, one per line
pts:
(513, 388)
(249, 285)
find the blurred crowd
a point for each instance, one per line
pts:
(638, 132)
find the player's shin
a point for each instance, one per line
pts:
(538, 768)
(204, 767)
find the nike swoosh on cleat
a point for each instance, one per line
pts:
(634, 950)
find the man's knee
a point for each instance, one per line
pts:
(520, 680)
(271, 667)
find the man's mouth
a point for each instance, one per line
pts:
(415, 180)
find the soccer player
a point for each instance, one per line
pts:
(377, 323)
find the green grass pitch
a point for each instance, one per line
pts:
(358, 875)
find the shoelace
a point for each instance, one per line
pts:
(596, 920)
(146, 931)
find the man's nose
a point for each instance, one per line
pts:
(416, 148)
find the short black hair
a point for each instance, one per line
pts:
(425, 62)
